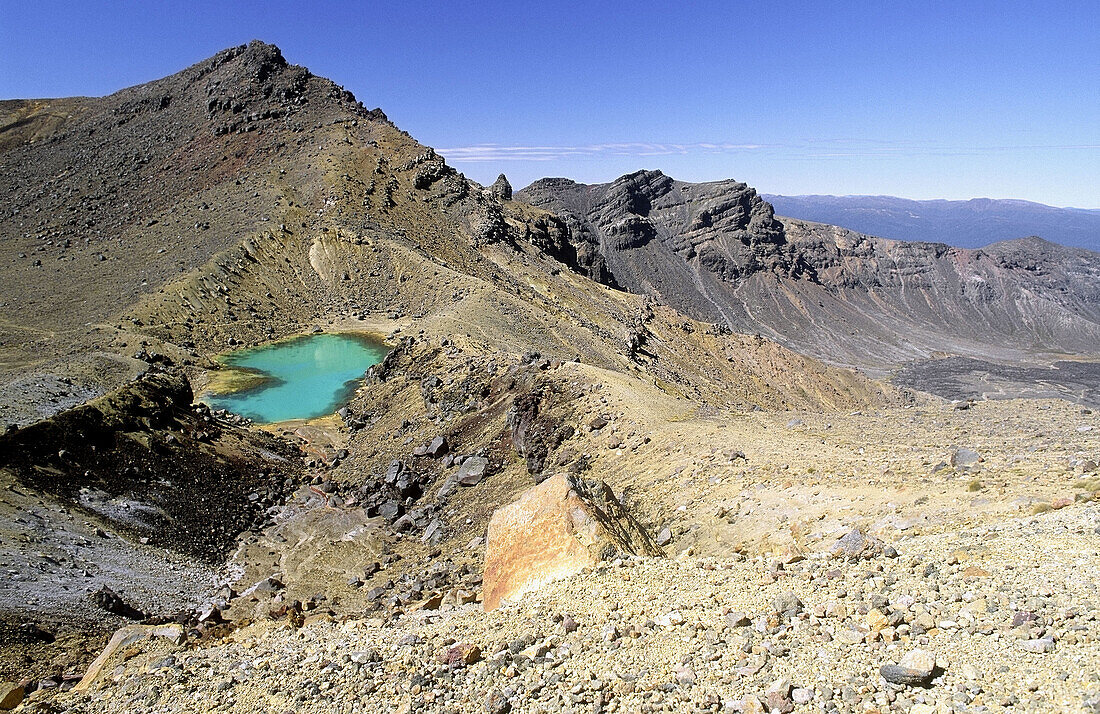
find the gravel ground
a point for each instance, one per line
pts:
(1010, 613)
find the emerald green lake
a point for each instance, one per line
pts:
(300, 378)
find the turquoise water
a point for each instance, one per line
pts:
(304, 377)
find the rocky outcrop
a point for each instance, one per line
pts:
(556, 529)
(646, 225)
(501, 188)
(716, 251)
(142, 457)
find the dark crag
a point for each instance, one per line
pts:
(153, 465)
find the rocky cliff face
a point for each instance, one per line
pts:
(716, 251)
(637, 221)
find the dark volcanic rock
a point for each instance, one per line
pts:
(110, 601)
(964, 378)
(653, 231)
(134, 457)
(535, 431)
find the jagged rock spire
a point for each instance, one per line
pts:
(501, 188)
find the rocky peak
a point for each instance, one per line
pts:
(723, 225)
(501, 188)
(635, 192)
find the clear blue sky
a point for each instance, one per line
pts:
(917, 99)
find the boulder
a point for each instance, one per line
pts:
(127, 636)
(472, 471)
(11, 695)
(554, 530)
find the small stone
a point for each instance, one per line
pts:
(751, 704)
(965, 458)
(849, 636)
(802, 695)
(472, 471)
(364, 656)
(664, 537)
(855, 545)
(431, 603)
(685, 675)
(460, 654)
(598, 422)
(777, 696)
(1043, 645)
(435, 448)
(787, 604)
(876, 620)
(670, 619)
(915, 668)
(460, 596)
(1022, 617)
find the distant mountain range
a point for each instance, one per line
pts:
(964, 224)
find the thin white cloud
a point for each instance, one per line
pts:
(810, 148)
(501, 152)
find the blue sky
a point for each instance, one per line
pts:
(922, 100)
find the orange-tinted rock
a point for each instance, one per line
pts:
(554, 530)
(11, 695)
(876, 620)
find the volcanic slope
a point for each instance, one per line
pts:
(244, 200)
(717, 252)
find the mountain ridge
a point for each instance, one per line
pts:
(971, 223)
(828, 291)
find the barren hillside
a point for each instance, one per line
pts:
(166, 557)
